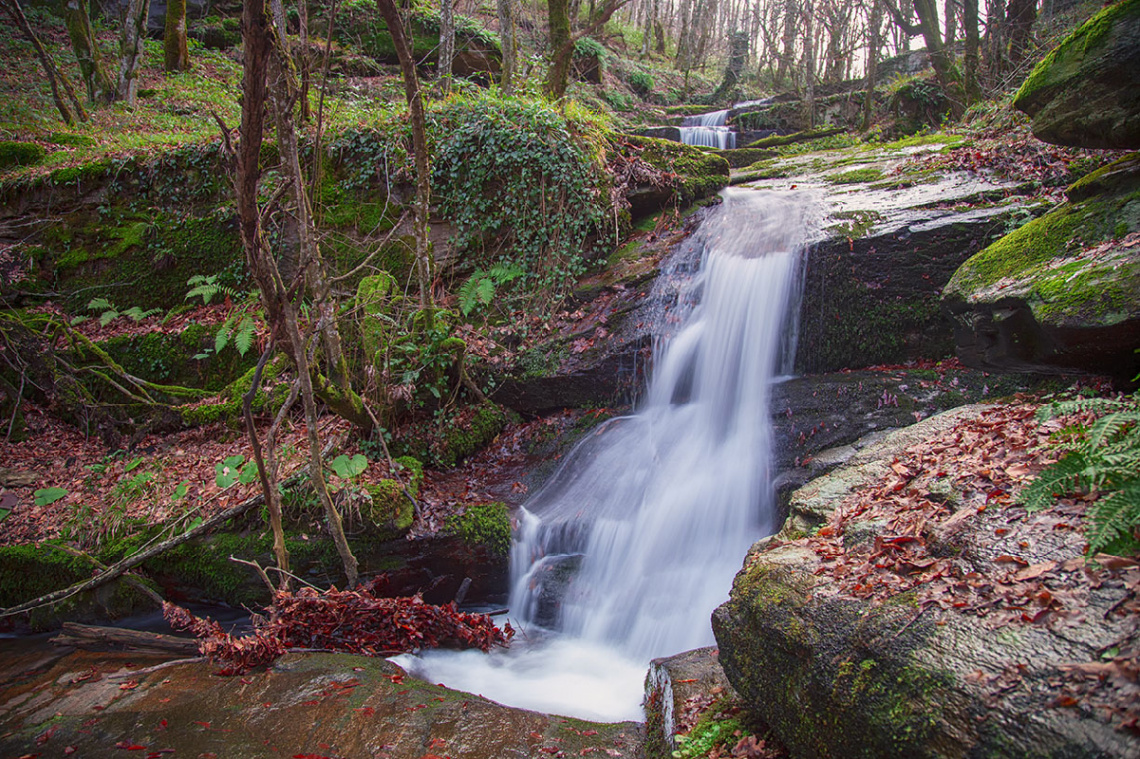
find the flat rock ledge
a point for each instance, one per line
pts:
(836, 676)
(306, 704)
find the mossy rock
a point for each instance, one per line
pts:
(1084, 92)
(485, 525)
(1059, 265)
(390, 510)
(701, 173)
(170, 359)
(227, 405)
(447, 443)
(741, 157)
(20, 154)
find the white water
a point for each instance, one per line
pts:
(708, 130)
(662, 505)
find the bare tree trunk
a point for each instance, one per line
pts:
(55, 79)
(175, 49)
(131, 50)
(509, 41)
(306, 60)
(261, 62)
(100, 90)
(558, 22)
(951, 14)
(970, 24)
(1020, 16)
(788, 51)
(446, 43)
(809, 65)
(419, 149)
(875, 42)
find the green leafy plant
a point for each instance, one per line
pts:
(108, 312)
(234, 469)
(44, 496)
(208, 287)
(238, 329)
(1102, 457)
(479, 289)
(348, 468)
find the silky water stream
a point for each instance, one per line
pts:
(625, 552)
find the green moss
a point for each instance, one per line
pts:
(1058, 234)
(84, 173)
(169, 358)
(1064, 61)
(484, 524)
(702, 173)
(20, 154)
(448, 443)
(391, 511)
(204, 566)
(228, 406)
(780, 140)
(854, 176)
(744, 156)
(1118, 176)
(854, 224)
(70, 140)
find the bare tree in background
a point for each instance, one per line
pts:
(56, 80)
(76, 15)
(131, 50)
(176, 51)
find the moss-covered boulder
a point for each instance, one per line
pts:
(700, 174)
(20, 153)
(1061, 293)
(1086, 92)
(391, 506)
(838, 675)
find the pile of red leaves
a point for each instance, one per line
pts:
(348, 621)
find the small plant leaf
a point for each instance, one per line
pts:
(44, 496)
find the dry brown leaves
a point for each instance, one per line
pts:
(920, 548)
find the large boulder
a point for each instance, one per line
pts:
(1061, 293)
(1086, 92)
(893, 668)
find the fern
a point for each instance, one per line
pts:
(109, 312)
(1102, 457)
(243, 334)
(207, 287)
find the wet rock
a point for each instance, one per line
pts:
(836, 676)
(310, 704)
(673, 682)
(1086, 92)
(1061, 293)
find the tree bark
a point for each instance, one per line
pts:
(874, 43)
(809, 65)
(131, 50)
(100, 90)
(446, 43)
(419, 149)
(56, 80)
(510, 48)
(1020, 16)
(176, 52)
(558, 24)
(970, 57)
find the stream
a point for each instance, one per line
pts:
(623, 555)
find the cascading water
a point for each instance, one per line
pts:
(658, 509)
(708, 130)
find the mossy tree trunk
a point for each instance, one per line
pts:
(56, 80)
(131, 50)
(875, 43)
(970, 58)
(510, 48)
(175, 49)
(562, 49)
(941, 55)
(100, 90)
(421, 156)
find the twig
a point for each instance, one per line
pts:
(260, 571)
(132, 580)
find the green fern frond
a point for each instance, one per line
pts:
(1080, 406)
(468, 298)
(1112, 427)
(485, 291)
(100, 304)
(1057, 480)
(1114, 515)
(243, 335)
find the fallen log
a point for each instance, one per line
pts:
(96, 638)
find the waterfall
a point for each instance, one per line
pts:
(708, 130)
(651, 516)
